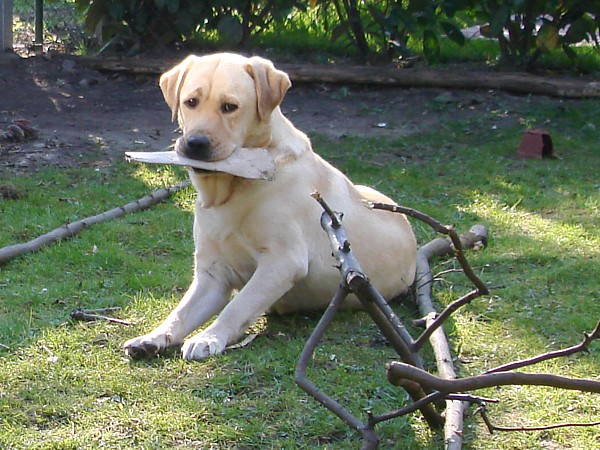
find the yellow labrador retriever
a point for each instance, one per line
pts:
(261, 238)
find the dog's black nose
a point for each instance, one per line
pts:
(197, 146)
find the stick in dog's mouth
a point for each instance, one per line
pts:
(253, 163)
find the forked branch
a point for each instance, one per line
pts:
(425, 388)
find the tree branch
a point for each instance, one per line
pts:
(433, 397)
(583, 346)
(90, 315)
(70, 229)
(439, 319)
(398, 373)
(477, 235)
(369, 436)
(440, 247)
(374, 304)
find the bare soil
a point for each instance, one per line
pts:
(84, 117)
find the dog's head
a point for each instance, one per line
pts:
(222, 102)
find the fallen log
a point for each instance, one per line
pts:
(454, 77)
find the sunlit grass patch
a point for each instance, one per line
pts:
(553, 234)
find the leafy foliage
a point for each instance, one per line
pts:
(133, 24)
(150, 23)
(373, 29)
(527, 28)
(385, 27)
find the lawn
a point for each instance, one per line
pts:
(67, 384)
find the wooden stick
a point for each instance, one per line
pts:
(70, 229)
(582, 346)
(89, 315)
(399, 372)
(491, 427)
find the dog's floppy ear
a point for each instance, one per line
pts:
(271, 85)
(171, 82)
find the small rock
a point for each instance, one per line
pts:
(69, 66)
(9, 192)
(87, 82)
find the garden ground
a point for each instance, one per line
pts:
(87, 117)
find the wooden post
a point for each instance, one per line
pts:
(6, 24)
(39, 27)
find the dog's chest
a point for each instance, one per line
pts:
(220, 237)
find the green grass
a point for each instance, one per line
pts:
(66, 384)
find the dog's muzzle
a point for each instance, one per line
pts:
(195, 146)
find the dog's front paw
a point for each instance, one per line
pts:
(202, 346)
(145, 346)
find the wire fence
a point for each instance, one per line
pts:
(64, 29)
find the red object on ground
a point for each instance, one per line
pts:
(536, 144)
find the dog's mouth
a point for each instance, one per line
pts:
(201, 148)
(201, 171)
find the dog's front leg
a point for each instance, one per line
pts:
(271, 280)
(205, 297)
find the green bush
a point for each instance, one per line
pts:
(526, 29)
(148, 24)
(136, 24)
(371, 29)
(385, 27)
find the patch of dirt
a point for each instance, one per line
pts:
(84, 117)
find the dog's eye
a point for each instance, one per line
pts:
(192, 102)
(228, 108)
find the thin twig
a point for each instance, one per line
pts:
(482, 411)
(441, 318)
(583, 346)
(443, 229)
(90, 316)
(430, 398)
(335, 220)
